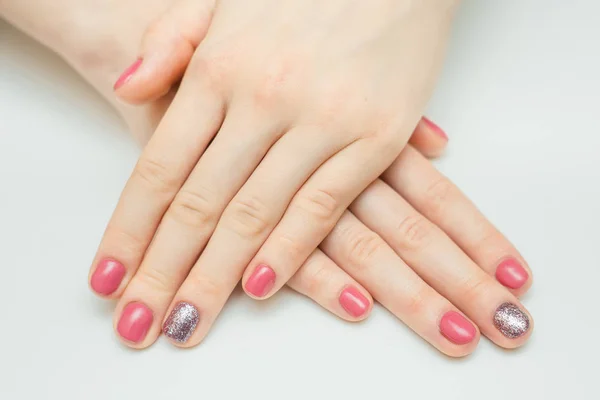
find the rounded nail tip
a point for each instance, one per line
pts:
(459, 341)
(512, 274)
(181, 323)
(189, 344)
(103, 294)
(139, 345)
(512, 322)
(266, 294)
(127, 74)
(356, 316)
(174, 339)
(357, 320)
(457, 328)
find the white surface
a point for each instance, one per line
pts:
(519, 98)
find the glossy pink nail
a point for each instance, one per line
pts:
(511, 274)
(457, 328)
(135, 322)
(127, 74)
(354, 302)
(436, 129)
(107, 277)
(261, 281)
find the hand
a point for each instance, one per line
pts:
(415, 243)
(319, 277)
(303, 113)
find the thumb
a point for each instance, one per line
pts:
(167, 47)
(429, 139)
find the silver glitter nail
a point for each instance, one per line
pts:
(181, 322)
(511, 321)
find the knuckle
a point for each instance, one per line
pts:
(489, 244)
(320, 204)
(247, 216)
(129, 245)
(316, 278)
(272, 85)
(156, 280)
(438, 194)
(155, 175)
(473, 290)
(362, 246)
(294, 248)
(195, 208)
(208, 289)
(155, 30)
(334, 101)
(413, 232)
(211, 65)
(415, 304)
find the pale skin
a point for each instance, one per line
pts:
(412, 240)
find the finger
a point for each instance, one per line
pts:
(440, 201)
(371, 261)
(167, 48)
(311, 215)
(443, 265)
(327, 284)
(319, 278)
(245, 223)
(429, 138)
(190, 221)
(157, 177)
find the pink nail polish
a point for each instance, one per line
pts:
(107, 277)
(135, 321)
(354, 302)
(435, 128)
(261, 281)
(457, 328)
(127, 74)
(511, 274)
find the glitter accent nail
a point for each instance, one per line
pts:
(511, 321)
(181, 322)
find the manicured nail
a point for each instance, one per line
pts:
(127, 74)
(261, 281)
(181, 322)
(135, 321)
(435, 128)
(354, 302)
(107, 277)
(511, 321)
(457, 328)
(511, 274)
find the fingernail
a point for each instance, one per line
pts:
(127, 74)
(261, 281)
(511, 274)
(354, 302)
(135, 321)
(511, 321)
(436, 129)
(107, 277)
(457, 328)
(181, 322)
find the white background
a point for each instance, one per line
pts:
(519, 98)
